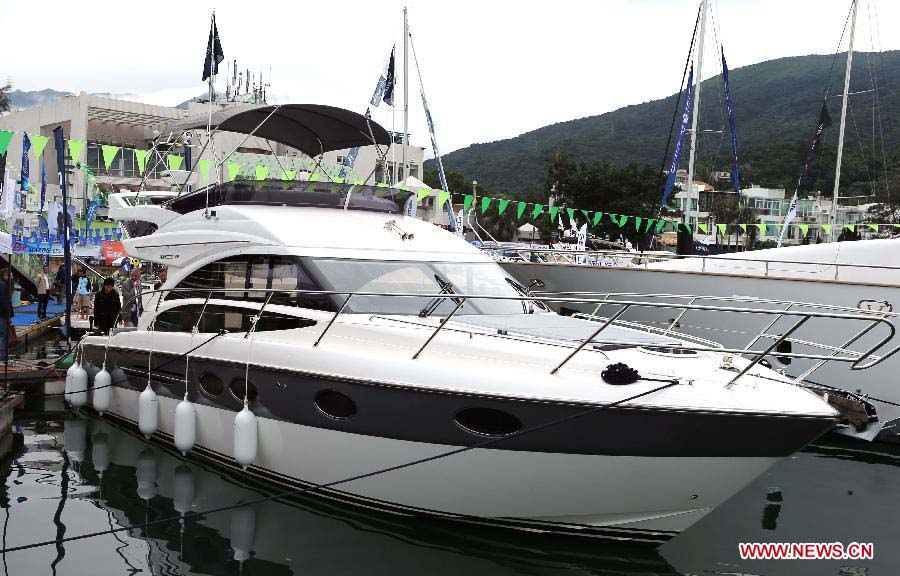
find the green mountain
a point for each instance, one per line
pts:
(776, 110)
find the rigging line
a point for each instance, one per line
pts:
(861, 149)
(316, 487)
(884, 170)
(665, 157)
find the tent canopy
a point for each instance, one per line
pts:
(310, 128)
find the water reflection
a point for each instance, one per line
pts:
(80, 474)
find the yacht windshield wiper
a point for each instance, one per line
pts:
(446, 288)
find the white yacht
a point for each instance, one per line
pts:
(362, 339)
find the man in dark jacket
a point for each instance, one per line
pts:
(6, 313)
(107, 306)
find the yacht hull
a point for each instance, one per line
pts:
(737, 330)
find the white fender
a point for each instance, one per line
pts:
(101, 394)
(100, 452)
(68, 389)
(146, 474)
(185, 426)
(242, 532)
(78, 393)
(183, 489)
(148, 412)
(245, 437)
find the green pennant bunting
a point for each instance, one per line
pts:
(722, 228)
(76, 146)
(5, 137)
(174, 161)
(339, 180)
(109, 154)
(485, 204)
(804, 228)
(597, 217)
(38, 143)
(689, 229)
(262, 172)
(703, 228)
(422, 194)
(587, 215)
(761, 228)
(850, 227)
(202, 165)
(571, 212)
(660, 225)
(314, 177)
(826, 228)
(467, 202)
(744, 228)
(623, 219)
(443, 197)
(873, 227)
(553, 211)
(139, 155)
(501, 206)
(538, 208)
(233, 169)
(649, 225)
(637, 223)
(520, 209)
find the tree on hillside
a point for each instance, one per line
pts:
(502, 228)
(4, 97)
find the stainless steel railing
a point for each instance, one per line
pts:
(857, 360)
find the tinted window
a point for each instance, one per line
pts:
(335, 404)
(237, 389)
(211, 384)
(231, 318)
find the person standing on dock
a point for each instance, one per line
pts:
(43, 292)
(6, 314)
(84, 297)
(131, 294)
(107, 306)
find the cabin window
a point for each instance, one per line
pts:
(237, 390)
(231, 318)
(246, 276)
(487, 421)
(335, 405)
(211, 385)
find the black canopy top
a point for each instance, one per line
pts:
(310, 128)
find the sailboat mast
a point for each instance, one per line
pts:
(698, 68)
(840, 147)
(405, 172)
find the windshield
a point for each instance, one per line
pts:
(482, 278)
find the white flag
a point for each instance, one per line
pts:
(788, 218)
(8, 198)
(459, 224)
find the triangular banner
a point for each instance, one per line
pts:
(571, 212)
(873, 227)
(424, 192)
(5, 137)
(660, 225)
(850, 227)
(467, 202)
(826, 228)
(689, 229)
(554, 210)
(804, 228)
(650, 222)
(485, 204)
(175, 161)
(520, 209)
(597, 217)
(443, 197)
(761, 228)
(262, 172)
(703, 228)
(76, 146)
(501, 205)
(722, 228)
(38, 143)
(203, 166)
(744, 228)
(233, 169)
(637, 223)
(587, 215)
(109, 154)
(288, 174)
(139, 155)
(538, 208)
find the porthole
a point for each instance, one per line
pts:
(237, 390)
(487, 421)
(211, 384)
(335, 405)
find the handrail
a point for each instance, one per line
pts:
(857, 361)
(667, 257)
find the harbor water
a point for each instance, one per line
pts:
(77, 474)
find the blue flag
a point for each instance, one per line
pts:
(43, 183)
(735, 174)
(26, 146)
(676, 155)
(91, 213)
(384, 92)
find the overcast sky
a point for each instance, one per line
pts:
(492, 69)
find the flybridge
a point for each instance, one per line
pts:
(295, 194)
